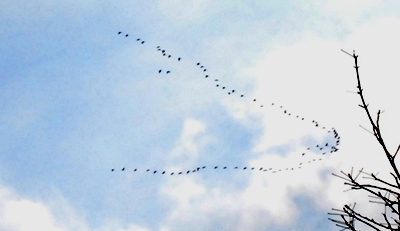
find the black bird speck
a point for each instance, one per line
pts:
(169, 56)
(126, 35)
(201, 66)
(148, 170)
(138, 39)
(179, 59)
(198, 64)
(119, 32)
(123, 169)
(142, 42)
(163, 172)
(205, 70)
(187, 172)
(241, 95)
(223, 87)
(159, 71)
(215, 167)
(163, 51)
(154, 172)
(112, 170)
(168, 72)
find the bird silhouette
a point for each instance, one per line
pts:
(172, 173)
(168, 72)
(201, 66)
(126, 35)
(187, 172)
(138, 39)
(233, 91)
(198, 64)
(123, 169)
(252, 168)
(148, 170)
(229, 93)
(206, 76)
(217, 85)
(203, 167)
(163, 172)
(254, 100)
(223, 87)
(159, 71)
(135, 170)
(224, 167)
(169, 56)
(194, 170)
(216, 79)
(119, 32)
(261, 169)
(142, 42)
(163, 51)
(205, 70)
(244, 168)
(179, 59)
(215, 167)
(158, 46)
(179, 173)
(198, 168)
(164, 54)
(112, 170)
(236, 167)
(241, 95)
(154, 172)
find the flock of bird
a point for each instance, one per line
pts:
(324, 149)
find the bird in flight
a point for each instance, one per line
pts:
(112, 170)
(159, 71)
(142, 42)
(126, 35)
(119, 32)
(168, 72)
(179, 59)
(123, 169)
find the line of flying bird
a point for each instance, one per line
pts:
(262, 169)
(333, 148)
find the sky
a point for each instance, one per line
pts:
(77, 99)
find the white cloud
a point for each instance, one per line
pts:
(55, 214)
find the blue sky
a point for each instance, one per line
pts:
(77, 100)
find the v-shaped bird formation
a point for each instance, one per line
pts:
(322, 149)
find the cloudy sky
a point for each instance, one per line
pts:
(78, 100)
